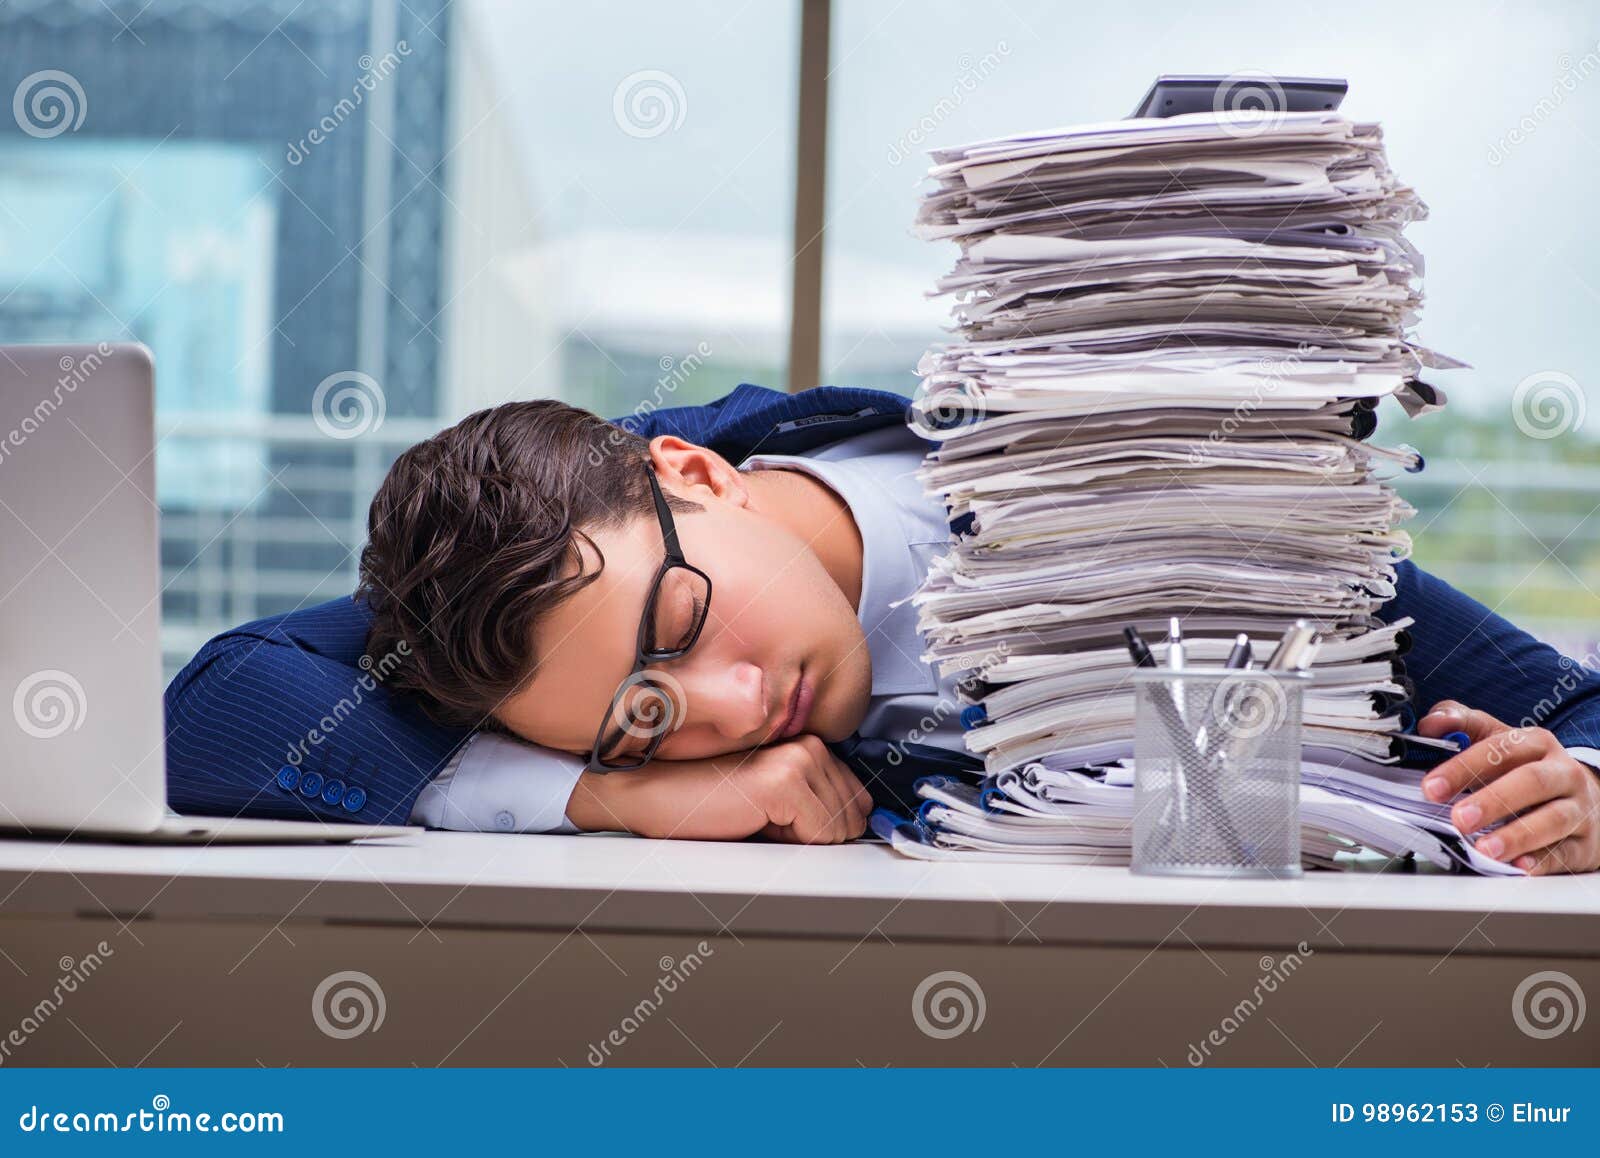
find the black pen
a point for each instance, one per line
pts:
(1239, 657)
(1137, 648)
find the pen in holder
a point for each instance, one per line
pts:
(1217, 772)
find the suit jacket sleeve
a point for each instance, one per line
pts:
(280, 718)
(1461, 650)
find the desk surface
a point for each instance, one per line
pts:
(858, 890)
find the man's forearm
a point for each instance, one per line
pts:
(683, 798)
(599, 800)
(1463, 651)
(795, 790)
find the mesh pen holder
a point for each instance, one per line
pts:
(1217, 772)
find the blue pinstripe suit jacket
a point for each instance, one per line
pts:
(278, 718)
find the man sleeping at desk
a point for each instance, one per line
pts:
(685, 624)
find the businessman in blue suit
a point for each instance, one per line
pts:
(688, 623)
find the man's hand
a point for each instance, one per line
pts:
(796, 791)
(1523, 773)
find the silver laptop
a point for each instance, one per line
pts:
(81, 733)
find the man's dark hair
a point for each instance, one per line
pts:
(468, 539)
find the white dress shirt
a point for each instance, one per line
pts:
(497, 783)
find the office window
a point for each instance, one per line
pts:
(340, 226)
(1495, 132)
(402, 211)
(253, 192)
(179, 241)
(657, 143)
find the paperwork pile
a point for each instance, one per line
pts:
(1064, 816)
(1172, 335)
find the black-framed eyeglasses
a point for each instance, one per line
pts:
(647, 705)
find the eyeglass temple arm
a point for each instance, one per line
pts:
(669, 529)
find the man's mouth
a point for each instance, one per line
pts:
(800, 701)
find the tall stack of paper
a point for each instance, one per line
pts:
(1171, 335)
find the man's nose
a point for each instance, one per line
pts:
(725, 698)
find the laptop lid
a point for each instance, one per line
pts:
(80, 602)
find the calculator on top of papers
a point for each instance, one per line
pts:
(1173, 95)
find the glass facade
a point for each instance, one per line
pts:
(182, 211)
(340, 225)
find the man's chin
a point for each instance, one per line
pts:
(841, 720)
(835, 734)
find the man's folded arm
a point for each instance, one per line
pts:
(284, 718)
(499, 784)
(795, 790)
(1463, 651)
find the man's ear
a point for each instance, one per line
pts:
(685, 468)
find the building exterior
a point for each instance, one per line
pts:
(254, 190)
